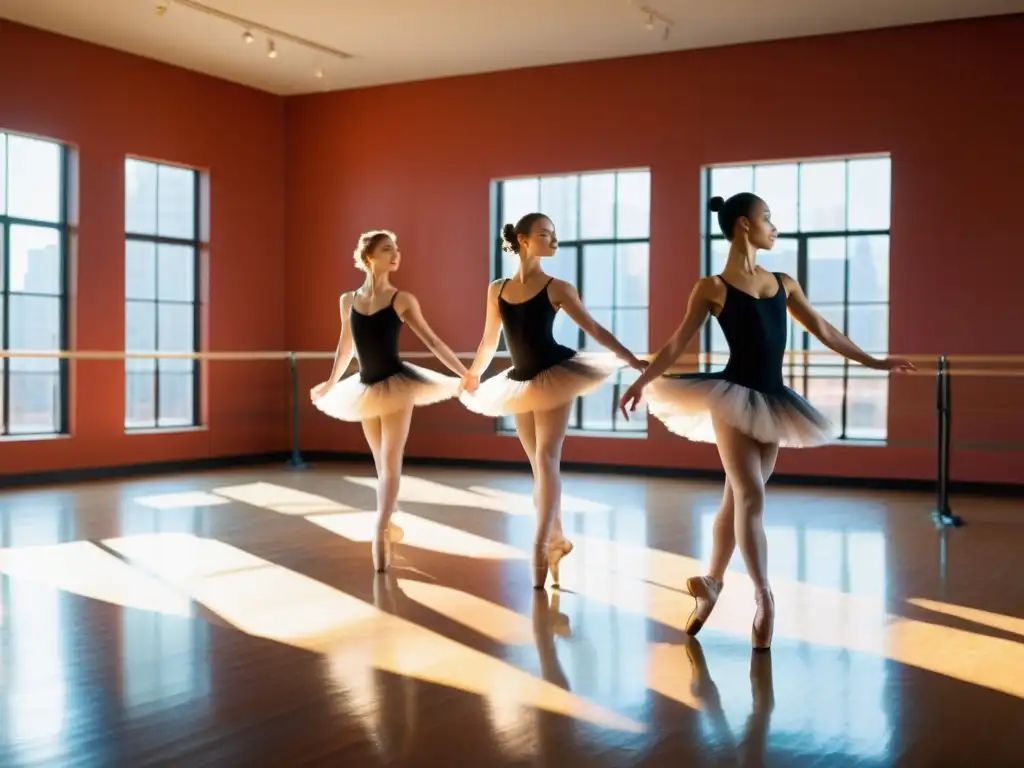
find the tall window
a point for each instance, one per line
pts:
(161, 288)
(833, 221)
(33, 295)
(603, 223)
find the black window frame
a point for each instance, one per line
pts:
(63, 229)
(197, 244)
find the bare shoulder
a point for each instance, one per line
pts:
(711, 288)
(790, 284)
(562, 290)
(346, 300)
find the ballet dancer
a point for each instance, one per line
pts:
(545, 376)
(746, 409)
(386, 389)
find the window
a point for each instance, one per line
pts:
(833, 221)
(33, 291)
(161, 288)
(603, 225)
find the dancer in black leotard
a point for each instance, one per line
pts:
(384, 392)
(746, 409)
(545, 376)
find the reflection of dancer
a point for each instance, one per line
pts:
(545, 376)
(548, 621)
(754, 742)
(384, 392)
(746, 409)
(396, 693)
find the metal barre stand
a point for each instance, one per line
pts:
(942, 515)
(295, 462)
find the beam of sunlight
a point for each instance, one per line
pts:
(273, 602)
(489, 619)
(186, 500)
(281, 499)
(421, 534)
(522, 503)
(1010, 624)
(82, 568)
(670, 674)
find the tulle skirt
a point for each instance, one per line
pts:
(580, 374)
(686, 405)
(352, 400)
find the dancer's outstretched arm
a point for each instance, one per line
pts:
(408, 308)
(343, 354)
(565, 296)
(492, 332)
(805, 314)
(697, 310)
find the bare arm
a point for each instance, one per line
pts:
(408, 308)
(343, 354)
(567, 297)
(492, 332)
(698, 308)
(802, 311)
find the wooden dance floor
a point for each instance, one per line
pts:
(234, 619)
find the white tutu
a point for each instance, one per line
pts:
(352, 400)
(686, 404)
(580, 374)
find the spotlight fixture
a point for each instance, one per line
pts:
(318, 73)
(271, 50)
(652, 19)
(247, 37)
(161, 9)
(650, 22)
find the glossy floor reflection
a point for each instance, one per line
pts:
(234, 619)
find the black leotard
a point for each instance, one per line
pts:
(376, 341)
(529, 334)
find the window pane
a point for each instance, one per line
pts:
(633, 205)
(34, 325)
(35, 401)
(598, 276)
(140, 197)
(867, 408)
(35, 260)
(869, 268)
(176, 277)
(140, 334)
(3, 173)
(597, 206)
(632, 274)
(826, 269)
(562, 265)
(870, 192)
(728, 181)
(559, 199)
(175, 333)
(597, 408)
(33, 179)
(718, 342)
(777, 186)
(139, 270)
(782, 258)
(833, 313)
(719, 253)
(826, 394)
(139, 399)
(869, 327)
(631, 329)
(823, 196)
(566, 331)
(176, 202)
(518, 198)
(175, 399)
(509, 264)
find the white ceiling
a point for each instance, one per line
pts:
(401, 40)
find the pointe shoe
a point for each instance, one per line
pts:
(764, 620)
(381, 547)
(548, 558)
(705, 592)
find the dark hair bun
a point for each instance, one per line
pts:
(509, 241)
(716, 204)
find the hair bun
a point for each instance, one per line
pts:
(716, 204)
(509, 241)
